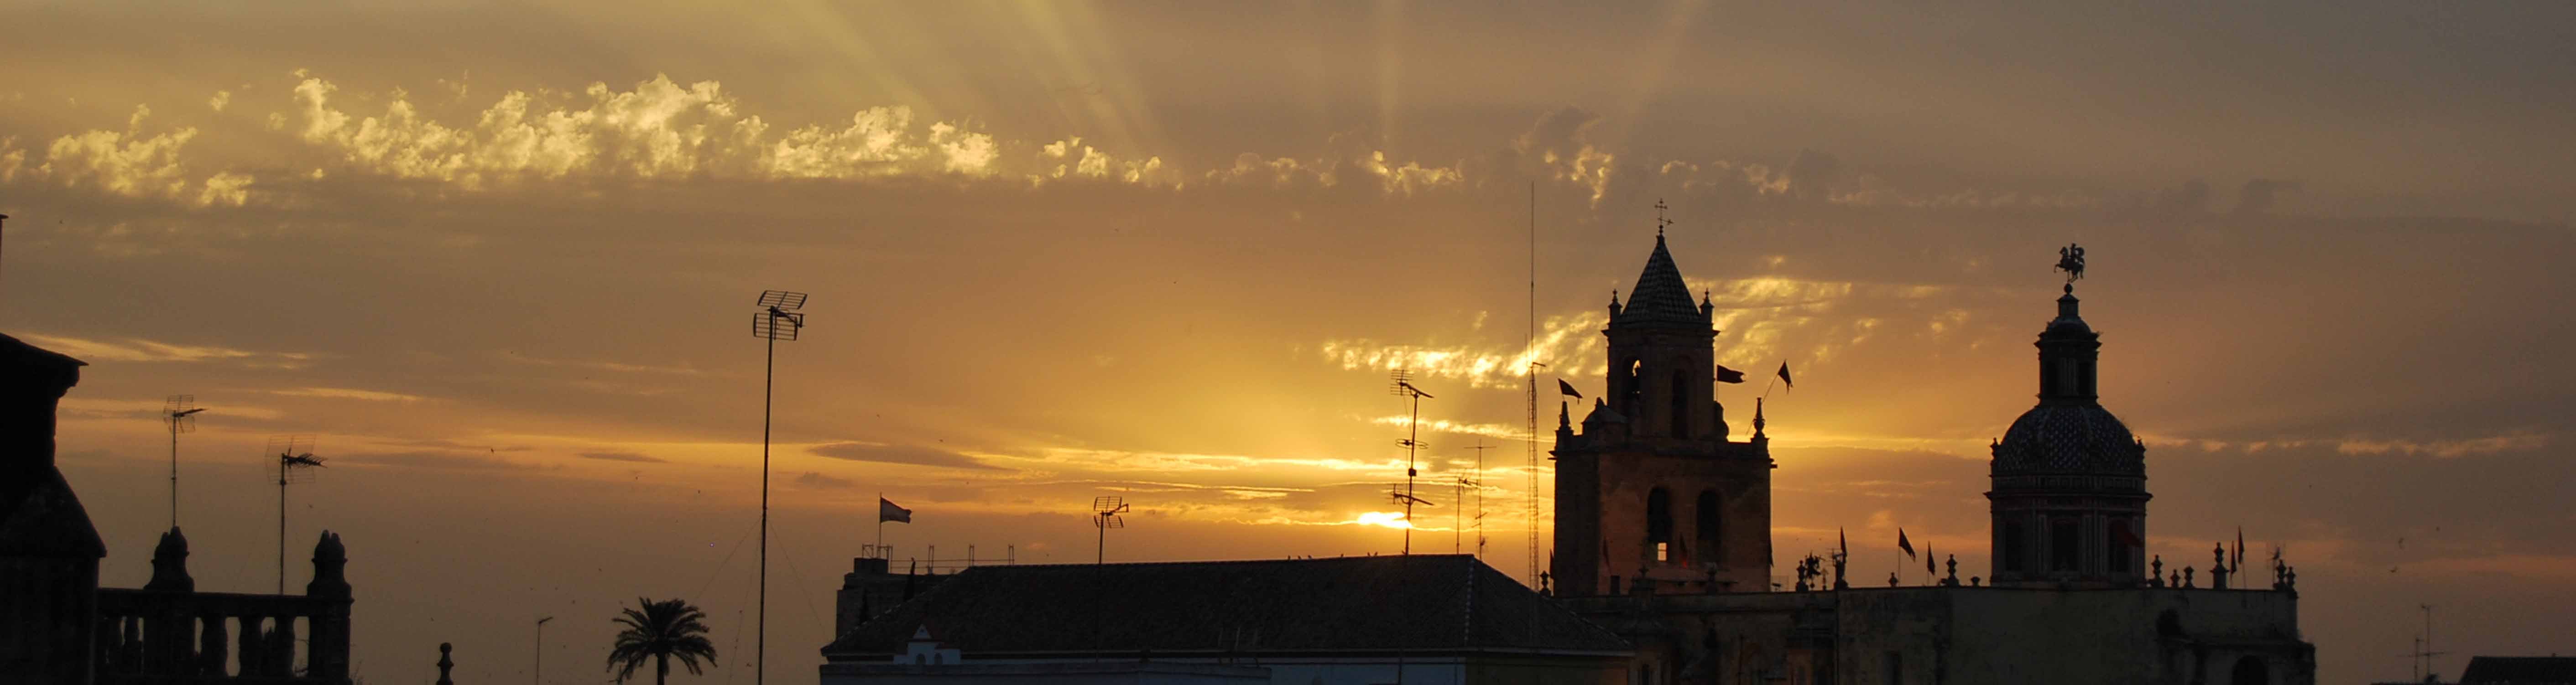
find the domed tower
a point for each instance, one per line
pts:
(2069, 495)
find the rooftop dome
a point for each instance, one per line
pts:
(2069, 438)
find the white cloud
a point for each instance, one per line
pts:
(131, 164)
(221, 98)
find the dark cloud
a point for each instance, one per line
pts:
(623, 456)
(2259, 194)
(817, 480)
(898, 454)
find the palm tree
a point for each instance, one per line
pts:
(664, 629)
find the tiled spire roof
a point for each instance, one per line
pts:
(1660, 298)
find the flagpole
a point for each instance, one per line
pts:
(881, 500)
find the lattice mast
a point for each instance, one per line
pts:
(1530, 525)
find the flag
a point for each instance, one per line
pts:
(2239, 561)
(887, 511)
(1842, 541)
(1904, 544)
(1727, 375)
(1928, 556)
(1564, 388)
(1784, 376)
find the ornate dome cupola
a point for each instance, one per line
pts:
(2069, 496)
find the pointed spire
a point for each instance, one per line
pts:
(1661, 298)
(1562, 417)
(1758, 422)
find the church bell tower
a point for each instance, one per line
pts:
(1651, 495)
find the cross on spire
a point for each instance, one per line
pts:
(1660, 221)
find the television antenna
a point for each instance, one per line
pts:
(1458, 489)
(180, 411)
(777, 320)
(290, 459)
(1105, 515)
(1402, 384)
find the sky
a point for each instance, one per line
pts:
(497, 260)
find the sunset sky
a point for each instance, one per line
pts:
(501, 261)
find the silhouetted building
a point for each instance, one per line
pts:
(1437, 619)
(2520, 670)
(1652, 493)
(2072, 602)
(62, 629)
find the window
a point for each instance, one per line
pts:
(2250, 671)
(2062, 544)
(1663, 551)
(1895, 674)
(1681, 405)
(1708, 528)
(2119, 545)
(1628, 387)
(2013, 546)
(1659, 521)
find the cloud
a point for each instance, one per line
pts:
(221, 98)
(623, 456)
(426, 460)
(131, 164)
(347, 394)
(152, 351)
(897, 454)
(816, 480)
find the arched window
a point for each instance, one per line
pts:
(2014, 548)
(1630, 386)
(2119, 546)
(1681, 405)
(1708, 527)
(2249, 671)
(1659, 524)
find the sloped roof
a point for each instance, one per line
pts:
(39, 515)
(1660, 298)
(1355, 604)
(2521, 670)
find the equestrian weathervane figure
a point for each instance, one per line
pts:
(2070, 259)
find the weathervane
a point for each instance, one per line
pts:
(1660, 221)
(2070, 259)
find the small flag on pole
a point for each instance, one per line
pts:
(1784, 376)
(1727, 375)
(1904, 544)
(2239, 561)
(887, 511)
(1564, 388)
(1928, 556)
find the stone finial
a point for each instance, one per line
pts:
(1953, 579)
(1614, 303)
(1563, 419)
(170, 564)
(1891, 579)
(2156, 571)
(1976, 581)
(444, 664)
(1758, 422)
(2186, 576)
(329, 560)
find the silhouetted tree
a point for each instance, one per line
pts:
(660, 631)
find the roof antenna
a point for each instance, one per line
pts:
(289, 458)
(1412, 442)
(180, 411)
(1105, 515)
(776, 307)
(1477, 483)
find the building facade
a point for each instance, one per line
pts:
(2073, 598)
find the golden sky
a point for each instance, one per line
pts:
(499, 260)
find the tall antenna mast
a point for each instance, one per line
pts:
(181, 413)
(1479, 484)
(1105, 515)
(289, 458)
(777, 320)
(1412, 442)
(1531, 524)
